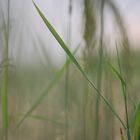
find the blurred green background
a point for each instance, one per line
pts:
(30, 58)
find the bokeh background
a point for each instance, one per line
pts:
(30, 57)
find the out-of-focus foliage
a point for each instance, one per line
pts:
(28, 66)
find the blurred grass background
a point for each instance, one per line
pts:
(30, 59)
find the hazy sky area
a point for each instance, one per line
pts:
(27, 31)
(56, 11)
(131, 14)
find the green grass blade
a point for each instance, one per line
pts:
(4, 103)
(136, 123)
(4, 79)
(45, 118)
(57, 77)
(117, 73)
(73, 59)
(125, 97)
(58, 38)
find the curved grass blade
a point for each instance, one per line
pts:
(57, 77)
(73, 59)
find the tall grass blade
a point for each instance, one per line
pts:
(4, 85)
(4, 103)
(136, 123)
(66, 131)
(100, 71)
(125, 98)
(73, 59)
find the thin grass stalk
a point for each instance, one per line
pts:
(3, 89)
(108, 125)
(125, 99)
(89, 32)
(99, 73)
(67, 73)
(108, 85)
(84, 109)
(5, 79)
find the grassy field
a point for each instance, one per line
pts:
(94, 95)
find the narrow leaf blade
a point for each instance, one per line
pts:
(73, 59)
